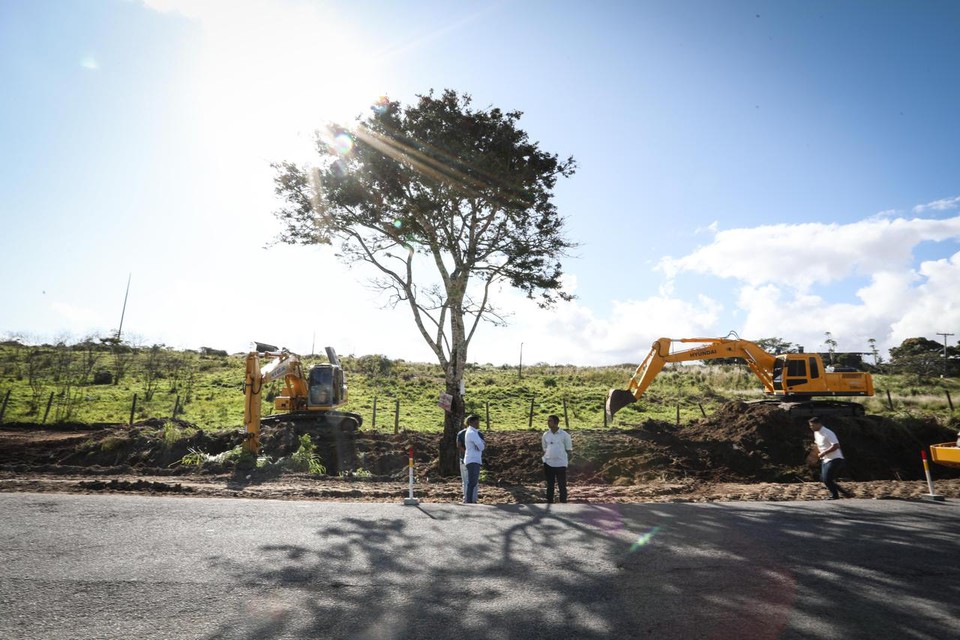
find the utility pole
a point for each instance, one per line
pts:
(944, 351)
(124, 311)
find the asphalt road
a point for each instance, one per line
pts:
(74, 566)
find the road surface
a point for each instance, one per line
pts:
(107, 566)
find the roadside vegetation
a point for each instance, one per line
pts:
(95, 380)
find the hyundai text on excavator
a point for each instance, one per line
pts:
(307, 399)
(791, 380)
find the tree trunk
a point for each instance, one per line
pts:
(449, 465)
(449, 457)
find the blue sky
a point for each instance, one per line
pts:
(770, 168)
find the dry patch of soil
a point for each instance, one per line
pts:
(740, 453)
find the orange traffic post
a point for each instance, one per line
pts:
(411, 500)
(926, 470)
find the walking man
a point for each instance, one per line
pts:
(473, 457)
(556, 445)
(831, 457)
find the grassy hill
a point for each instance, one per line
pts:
(79, 384)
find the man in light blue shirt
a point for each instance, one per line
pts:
(473, 456)
(461, 451)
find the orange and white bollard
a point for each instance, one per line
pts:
(926, 470)
(411, 500)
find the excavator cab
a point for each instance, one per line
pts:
(326, 386)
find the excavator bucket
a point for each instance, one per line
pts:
(617, 399)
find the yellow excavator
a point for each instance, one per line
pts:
(791, 380)
(309, 399)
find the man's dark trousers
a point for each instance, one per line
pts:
(555, 476)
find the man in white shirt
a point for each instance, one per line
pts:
(831, 457)
(556, 445)
(461, 451)
(473, 457)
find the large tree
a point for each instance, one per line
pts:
(922, 357)
(447, 202)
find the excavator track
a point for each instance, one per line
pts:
(344, 420)
(804, 408)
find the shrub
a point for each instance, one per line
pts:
(305, 458)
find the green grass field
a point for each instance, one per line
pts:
(207, 390)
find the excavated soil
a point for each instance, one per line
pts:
(742, 452)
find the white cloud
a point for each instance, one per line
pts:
(934, 305)
(944, 204)
(803, 255)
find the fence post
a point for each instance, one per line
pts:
(133, 408)
(176, 407)
(603, 408)
(678, 414)
(530, 422)
(700, 404)
(47, 412)
(949, 400)
(566, 420)
(374, 413)
(889, 400)
(396, 418)
(488, 415)
(3, 409)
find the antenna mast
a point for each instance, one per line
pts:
(124, 312)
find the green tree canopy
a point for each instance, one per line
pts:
(920, 356)
(447, 202)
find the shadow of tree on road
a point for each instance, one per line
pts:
(608, 571)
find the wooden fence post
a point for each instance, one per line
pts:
(603, 408)
(566, 420)
(176, 407)
(3, 409)
(678, 414)
(488, 414)
(700, 404)
(374, 413)
(889, 400)
(133, 408)
(396, 418)
(47, 412)
(530, 422)
(949, 400)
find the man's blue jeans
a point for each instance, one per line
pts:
(829, 470)
(473, 482)
(463, 478)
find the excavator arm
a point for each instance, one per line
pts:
(759, 361)
(284, 365)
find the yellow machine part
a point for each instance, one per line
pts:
(947, 454)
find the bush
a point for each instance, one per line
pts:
(102, 376)
(306, 459)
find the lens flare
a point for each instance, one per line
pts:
(343, 143)
(644, 539)
(380, 106)
(397, 223)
